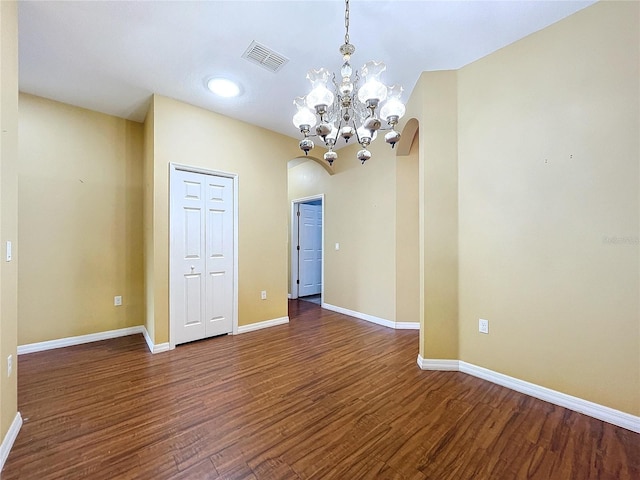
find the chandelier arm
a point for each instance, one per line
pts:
(339, 128)
(355, 128)
(333, 80)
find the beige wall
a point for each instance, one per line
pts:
(433, 105)
(80, 221)
(147, 221)
(193, 136)
(548, 139)
(360, 215)
(8, 210)
(408, 235)
(438, 177)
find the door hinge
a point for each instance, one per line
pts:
(298, 213)
(298, 248)
(297, 282)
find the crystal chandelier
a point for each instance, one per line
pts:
(348, 110)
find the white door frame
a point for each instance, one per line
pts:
(294, 242)
(174, 283)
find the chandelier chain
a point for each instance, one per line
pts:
(346, 22)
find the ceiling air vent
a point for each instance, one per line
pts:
(265, 57)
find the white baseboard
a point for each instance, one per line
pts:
(595, 410)
(407, 325)
(260, 325)
(10, 438)
(438, 364)
(289, 296)
(94, 337)
(373, 319)
(69, 341)
(161, 347)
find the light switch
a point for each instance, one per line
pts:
(8, 251)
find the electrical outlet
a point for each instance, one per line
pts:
(117, 300)
(9, 365)
(483, 326)
(263, 294)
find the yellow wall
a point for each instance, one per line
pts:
(408, 235)
(439, 176)
(80, 221)
(434, 104)
(193, 136)
(360, 215)
(8, 210)
(147, 221)
(548, 139)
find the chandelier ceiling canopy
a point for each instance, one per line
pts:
(348, 109)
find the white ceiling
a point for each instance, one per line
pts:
(111, 56)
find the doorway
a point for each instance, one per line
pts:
(307, 246)
(202, 254)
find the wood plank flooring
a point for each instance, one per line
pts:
(325, 397)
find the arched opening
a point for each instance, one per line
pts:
(298, 160)
(307, 179)
(408, 135)
(408, 294)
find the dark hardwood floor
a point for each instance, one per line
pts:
(326, 396)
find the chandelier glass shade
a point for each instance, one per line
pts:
(357, 105)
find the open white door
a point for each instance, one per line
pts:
(310, 249)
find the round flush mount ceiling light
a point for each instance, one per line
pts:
(223, 87)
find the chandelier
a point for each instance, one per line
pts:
(349, 110)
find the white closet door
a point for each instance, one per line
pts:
(201, 255)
